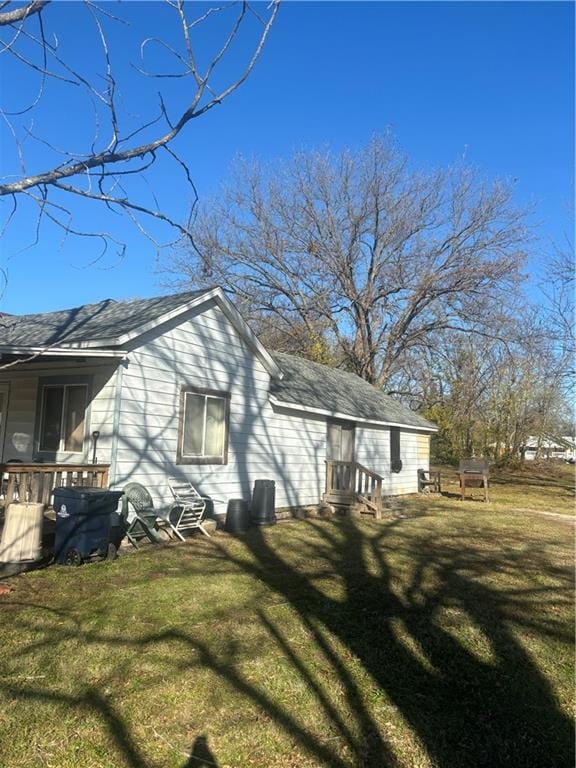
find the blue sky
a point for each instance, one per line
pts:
(493, 80)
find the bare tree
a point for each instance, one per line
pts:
(121, 147)
(379, 255)
(559, 289)
(487, 395)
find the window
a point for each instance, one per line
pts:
(203, 427)
(395, 460)
(62, 423)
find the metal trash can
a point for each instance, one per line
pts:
(263, 502)
(83, 524)
(237, 516)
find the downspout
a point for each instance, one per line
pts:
(116, 423)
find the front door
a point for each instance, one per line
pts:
(340, 447)
(4, 389)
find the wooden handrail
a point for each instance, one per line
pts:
(349, 479)
(34, 482)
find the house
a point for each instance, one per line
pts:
(141, 390)
(550, 447)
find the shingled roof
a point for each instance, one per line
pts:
(304, 383)
(103, 321)
(338, 392)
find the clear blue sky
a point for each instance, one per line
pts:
(493, 79)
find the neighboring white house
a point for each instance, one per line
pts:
(563, 447)
(179, 385)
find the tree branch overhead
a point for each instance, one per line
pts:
(31, 42)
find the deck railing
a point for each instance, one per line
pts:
(348, 481)
(34, 482)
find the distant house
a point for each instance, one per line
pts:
(179, 385)
(563, 447)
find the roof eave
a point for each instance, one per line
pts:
(250, 337)
(126, 338)
(67, 351)
(348, 416)
(227, 308)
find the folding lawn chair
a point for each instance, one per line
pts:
(188, 509)
(145, 523)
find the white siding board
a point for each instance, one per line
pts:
(373, 450)
(208, 352)
(264, 442)
(22, 407)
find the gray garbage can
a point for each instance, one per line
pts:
(237, 516)
(263, 502)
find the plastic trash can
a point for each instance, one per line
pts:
(83, 524)
(263, 502)
(118, 527)
(237, 516)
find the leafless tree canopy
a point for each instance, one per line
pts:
(559, 288)
(360, 249)
(488, 395)
(143, 96)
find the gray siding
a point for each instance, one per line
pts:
(138, 421)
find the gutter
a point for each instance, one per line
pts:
(347, 416)
(62, 352)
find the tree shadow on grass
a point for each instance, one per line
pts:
(201, 755)
(465, 708)
(432, 626)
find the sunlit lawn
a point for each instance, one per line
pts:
(443, 638)
(544, 486)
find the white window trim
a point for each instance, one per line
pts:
(203, 454)
(61, 445)
(193, 458)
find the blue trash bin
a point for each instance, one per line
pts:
(83, 524)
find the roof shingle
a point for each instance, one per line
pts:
(305, 383)
(331, 389)
(105, 320)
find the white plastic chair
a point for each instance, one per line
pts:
(188, 510)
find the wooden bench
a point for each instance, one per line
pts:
(429, 481)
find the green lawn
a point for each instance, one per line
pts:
(441, 638)
(544, 486)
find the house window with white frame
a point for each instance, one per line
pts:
(63, 418)
(203, 426)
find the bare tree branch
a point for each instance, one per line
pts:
(20, 14)
(118, 144)
(375, 257)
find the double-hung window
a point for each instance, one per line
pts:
(63, 418)
(203, 427)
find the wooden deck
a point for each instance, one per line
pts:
(349, 483)
(35, 482)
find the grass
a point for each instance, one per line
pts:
(443, 638)
(544, 486)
